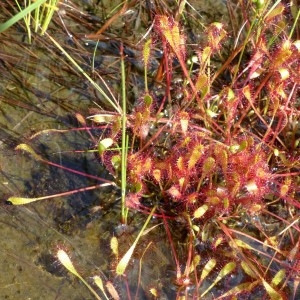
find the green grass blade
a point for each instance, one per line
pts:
(123, 263)
(124, 149)
(21, 15)
(93, 83)
(51, 8)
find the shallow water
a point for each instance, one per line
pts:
(39, 90)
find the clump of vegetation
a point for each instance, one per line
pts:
(224, 158)
(217, 153)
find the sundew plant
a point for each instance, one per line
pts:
(211, 148)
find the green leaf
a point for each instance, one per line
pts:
(208, 165)
(123, 263)
(103, 118)
(241, 244)
(201, 81)
(22, 200)
(200, 211)
(21, 15)
(274, 295)
(243, 287)
(228, 268)
(148, 100)
(65, 260)
(116, 162)
(104, 144)
(28, 149)
(146, 51)
(222, 157)
(195, 156)
(248, 270)
(114, 246)
(274, 12)
(279, 276)
(208, 268)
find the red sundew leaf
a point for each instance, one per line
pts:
(104, 145)
(284, 190)
(147, 164)
(216, 34)
(114, 246)
(146, 51)
(200, 211)
(247, 269)
(256, 63)
(221, 157)
(218, 241)
(148, 100)
(116, 162)
(133, 200)
(261, 172)
(112, 291)
(182, 182)
(230, 95)
(241, 288)
(192, 198)
(226, 203)
(102, 118)
(282, 55)
(99, 283)
(180, 164)
(227, 269)
(141, 124)
(170, 30)
(157, 175)
(195, 263)
(28, 149)
(247, 93)
(235, 188)
(279, 276)
(285, 186)
(184, 121)
(138, 167)
(196, 154)
(209, 266)
(279, 89)
(202, 84)
(277, 11)
(138, 121)
(174, 192)
(274, 295)
(284, 74)
(213, 200)
(208, 165)
(205, 56)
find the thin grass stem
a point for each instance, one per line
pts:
(294, 25)
(94, 84)
(124, 149)
(21, 15)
